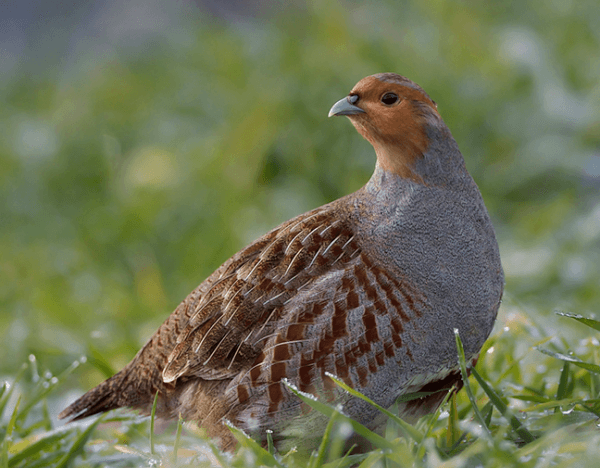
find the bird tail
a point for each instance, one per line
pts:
(108, 395)
(137, 383)
(134, 386)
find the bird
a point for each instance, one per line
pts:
(368, 288)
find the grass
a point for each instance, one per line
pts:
(507, 415)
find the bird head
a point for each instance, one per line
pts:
(396, 116)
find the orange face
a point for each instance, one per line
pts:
(392, 113)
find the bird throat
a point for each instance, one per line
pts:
(400, 159)
(398, 149)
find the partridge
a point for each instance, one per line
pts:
(368, 287)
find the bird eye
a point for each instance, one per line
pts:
(389, 98)
(353, 98)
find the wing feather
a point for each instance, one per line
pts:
(248, 296)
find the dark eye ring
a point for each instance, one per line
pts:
(389, 98)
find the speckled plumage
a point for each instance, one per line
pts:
(368, 287)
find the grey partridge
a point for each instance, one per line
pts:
(368, 288)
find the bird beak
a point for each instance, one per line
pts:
(343, 107)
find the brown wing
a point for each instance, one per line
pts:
(217, 330)
(246, 301)
(350, 322)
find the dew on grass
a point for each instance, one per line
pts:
(228, 423)
(333, 376)
(290, 385)
(34, 371)
(345, 429)
(472, 427)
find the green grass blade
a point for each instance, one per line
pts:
(347, 460)
(563, 383)
(501, 406)
(328, 411)
(465, 377)
(152, 417)
(35, 375)
(177, 438)
(47, 460)
(96, 359)
(46, 421)
(40, 445)
(578, 362)
(9, 388)
(45, 387)
(487, 412)
(422, 448)
(318, 460)
(372, 459)
(219, 455)
(588, 366)
(8, 435)
(532, 398)
(595, 324)
(408, 429)
(452, 431)
(13, 420)
(78, 444)
(270, 445)
(263, 457)
(558, 403)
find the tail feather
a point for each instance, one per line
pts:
(134, 386)
(104, 397)
(137, 383)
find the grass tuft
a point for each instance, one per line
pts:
(489, 424)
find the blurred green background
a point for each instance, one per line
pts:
(144, 142)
